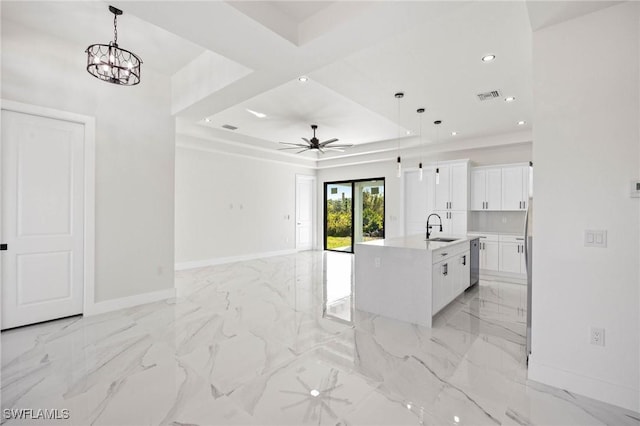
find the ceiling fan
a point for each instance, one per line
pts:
(314, 143)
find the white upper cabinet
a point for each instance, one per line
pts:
(486, 189)
(443, 188)
(418, 200)
(500, 188)
(451, 192)
(515, 187)
(459, 187)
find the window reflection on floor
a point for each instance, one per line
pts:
(338, 285)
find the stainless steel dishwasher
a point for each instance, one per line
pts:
(475, 261)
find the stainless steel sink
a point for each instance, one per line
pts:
(443, 240)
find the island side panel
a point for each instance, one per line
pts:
(398, 285)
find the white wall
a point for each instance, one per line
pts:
(586, 151)
(232, 206)
(134, 155)
(394, 225)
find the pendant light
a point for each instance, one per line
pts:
(110, 63)
(437, 124)
(399, 96)
(420, 172)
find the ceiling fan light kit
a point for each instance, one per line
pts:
(315, 144)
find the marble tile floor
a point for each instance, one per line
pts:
(257, 342)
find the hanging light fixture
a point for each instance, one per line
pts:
(420, 111)
(399, 96)
(110, 63)
(437, 123)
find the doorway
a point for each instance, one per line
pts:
(47, 164)
(354, 212)
(305, 189)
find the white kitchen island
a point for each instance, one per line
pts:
(408, 278)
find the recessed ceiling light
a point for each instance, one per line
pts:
(488, 58)
(521, 123)
(208, 120)
(509, 99)
(314, 392)
(454, 133)
(408, 132)
(303, 79)
(456, 419)
(256, 113)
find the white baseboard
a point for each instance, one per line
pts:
(222, 260)
(590, 387)
(127, 302)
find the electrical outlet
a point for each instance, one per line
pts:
(597, 336)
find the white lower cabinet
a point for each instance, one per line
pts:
(501, 253)
(441, 283)
(512, 257)
(489, 255)
(450, 277)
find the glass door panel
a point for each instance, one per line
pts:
(369, 210)
(338, 216)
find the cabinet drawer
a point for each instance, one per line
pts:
(511, 239)
(486, 237)
(448, 252)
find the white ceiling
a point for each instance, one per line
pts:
(88, 22)
(292, 107)
(357, 55)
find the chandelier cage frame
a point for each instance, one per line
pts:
(111, 63)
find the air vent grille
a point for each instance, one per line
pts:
(487, 96)
(229, 127)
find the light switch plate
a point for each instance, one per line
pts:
(595, 238)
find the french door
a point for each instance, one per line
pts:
(354, 212)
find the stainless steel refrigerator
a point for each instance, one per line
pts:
(528, 254)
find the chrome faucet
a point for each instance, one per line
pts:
(431, 226)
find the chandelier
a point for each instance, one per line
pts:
(110, 63)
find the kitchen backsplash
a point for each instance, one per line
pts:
(505, 222)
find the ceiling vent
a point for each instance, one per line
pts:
(487, 96)
(229, 127)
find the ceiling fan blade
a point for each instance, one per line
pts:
(328, 142)
(293, 144)
(307, 140)
(303, 150)
(339, 146)
(292, 147)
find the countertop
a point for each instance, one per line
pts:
(417, 242)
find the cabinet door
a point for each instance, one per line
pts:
(459, 198)
(439, 290)
(415, 203)
(491, 253)
(525, 186)
(478, 189)
(463, 273)
(512, 185)
(510, 257)
(442, 189)
(457, 223)
(494, 189)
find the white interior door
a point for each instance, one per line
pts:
(42, 218)
(304, 212)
